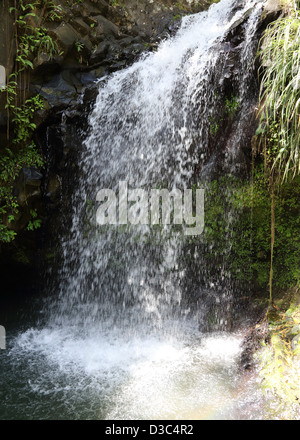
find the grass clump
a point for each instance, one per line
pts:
(280, 94)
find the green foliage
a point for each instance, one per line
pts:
(34, 223)
(116, 3)
(22, 119)
(231, 105)
(280, 94)
(79, 46)
(286, 271)
(23, 153)
(213, 126)
(6, 235)
(32, 40)
(237, 216)
(54, 11)
(229, 109)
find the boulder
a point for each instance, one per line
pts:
(80, 26)
(99, 54)
(66, 36)
(107, 27)
(60, 90)
(96, 6)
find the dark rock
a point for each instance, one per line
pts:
(45, 67)
(100, 53)
(107, 27)
(242, 19)
(25, 191)
(98, 6)
(80, 26)
(31, 174)
(137, 49)
(60, 90)
(89, 9)
(79, 10)
(66, 36)
(91, 21)
(271, 10)
(252, 342)
(53, 187)
(127, 41)
(87, 45)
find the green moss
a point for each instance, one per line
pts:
(213, 126)
(117, 3)
(237, 216)
(231, 105)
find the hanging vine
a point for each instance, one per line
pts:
(30, 39)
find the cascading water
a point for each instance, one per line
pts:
(149, 128)
(122, 336)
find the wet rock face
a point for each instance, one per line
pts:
(91, 22)
(237, 107)
(96, 37)
(91, 34)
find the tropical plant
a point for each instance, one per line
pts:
(31, 40)
(280, 95)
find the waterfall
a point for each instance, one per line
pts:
(150, 129)
(127, 311)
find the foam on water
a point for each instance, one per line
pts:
(154, 377)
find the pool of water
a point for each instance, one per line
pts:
(105, 372)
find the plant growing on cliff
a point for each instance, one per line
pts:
(280, 94)
(22, 152)
(279, 130)
(31, 39)
(279, 137)
(231, 105)
(34, 222)
(229, 108)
